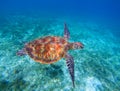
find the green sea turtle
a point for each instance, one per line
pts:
(50, 49)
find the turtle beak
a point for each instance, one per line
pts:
(81, 46)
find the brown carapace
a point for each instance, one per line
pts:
(50, 49)
(47, 50)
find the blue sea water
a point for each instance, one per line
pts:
(95, 23)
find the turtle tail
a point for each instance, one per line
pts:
(21, 52)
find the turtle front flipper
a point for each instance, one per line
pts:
(66, 32)
(70, 65)
(21, 52)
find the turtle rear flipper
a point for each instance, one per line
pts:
(21, 52)
(70, 65)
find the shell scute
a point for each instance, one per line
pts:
(47, 50)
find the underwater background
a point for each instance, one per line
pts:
(95, 23)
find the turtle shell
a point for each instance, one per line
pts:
(47, 50)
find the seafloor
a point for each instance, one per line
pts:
(97, 66)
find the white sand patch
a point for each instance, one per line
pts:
(92, 84)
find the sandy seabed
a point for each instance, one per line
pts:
(97, 66)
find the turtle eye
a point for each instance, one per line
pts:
(76, 46)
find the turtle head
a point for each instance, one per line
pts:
(77, 45)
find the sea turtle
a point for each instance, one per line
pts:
(50, 49)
